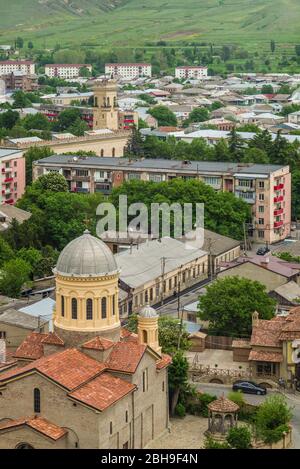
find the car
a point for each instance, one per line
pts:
(262, 251)
(249, 387)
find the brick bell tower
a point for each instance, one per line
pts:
(105, 111)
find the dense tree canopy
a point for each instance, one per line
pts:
(164, 116)
(229, 303)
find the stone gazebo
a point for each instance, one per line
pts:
(223, 415)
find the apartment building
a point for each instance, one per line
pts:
(196, 73)
(65, 71)
(27, 67)
(128, 71)
(267, 188)
(12, 178)
(19, 81)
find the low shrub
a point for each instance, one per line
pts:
(212, 444)
(239, 438)
(180, 410)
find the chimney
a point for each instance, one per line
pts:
(2, 351)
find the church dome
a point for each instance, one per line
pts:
(86, 256)
(148, 312)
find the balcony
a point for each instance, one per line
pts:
(8, 180)
(279, 211)
(82, 178)
(81, 190)
(9, 201)
(278, 199)
(278, 224)
(278, 187)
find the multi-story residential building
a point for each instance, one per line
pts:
(128, 119)
(65, 70)
(186, 72)
(12, 178)
(267, 188)
(19, 81)
(9, 66)
(128, 71)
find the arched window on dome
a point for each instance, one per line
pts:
(89, 309)
(145, 337)
(62, 306)
(114, 305)
(103, 308)
(74, 308)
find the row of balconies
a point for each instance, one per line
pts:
(279, 187)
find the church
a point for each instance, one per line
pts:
(90, 383)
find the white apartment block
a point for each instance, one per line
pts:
(196, 73)
(10, 66)
(65, 70)
(128, 71)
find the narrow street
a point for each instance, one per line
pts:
(293, 400)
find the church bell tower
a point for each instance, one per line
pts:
(105, 111)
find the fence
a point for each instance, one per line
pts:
(218, 342)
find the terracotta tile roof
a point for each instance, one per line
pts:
(39, 424)
(265, 356)
(223, 405)
(53, 339)
(266, 333)
(124, 333)
(32, 347)
(98, 343)
(125, 356)
(103, 391)
(165, 361)
(69, 368)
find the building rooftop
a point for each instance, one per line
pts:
(20, 319)
(158, 165)
(143, 262)
(38, 424)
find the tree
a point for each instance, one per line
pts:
(272, 46)
(67, 118)
(36, 121)
(239, 438)
(21, 100)
(164, 116)
(6, 252)
(30, 45)
(272, 418)
(14, 274)
(235, 145)
(229, 303)
(78, 127)
(267, 89)
(134, 146)
(297, 50)
(34, 154)
(296, 194)
(19, 43)
(178, 378)
(9, 119)
(32, 256)
(84, 72)
(199, 114)
(53, 182)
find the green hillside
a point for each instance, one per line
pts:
(132, 22)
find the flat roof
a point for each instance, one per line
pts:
(159, 165)
(8, 152)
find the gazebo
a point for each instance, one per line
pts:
(223, 415)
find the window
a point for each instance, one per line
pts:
(89, 309)
(212, 181)
(111, 428)
(114, 305)
(103, 308)
(145, 337)
(183, 277)
(155, 177)
(37, 400)
(113, 152)
(261, 184)
(74, 308)
(126, 416)
(151, 294)
(102, 153)
(2, 335)
(261, 197)
(261, 208)
(146, 296)
(163, 386)
(261, 221)
(145, 380)
(261, 233)
(63, 306)
(134, 176)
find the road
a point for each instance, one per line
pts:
(293, 400)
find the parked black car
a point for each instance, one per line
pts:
(249, 387)
(262, 251)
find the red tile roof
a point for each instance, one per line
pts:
(265, 356)
(126, 356)
(163, 362)
(223, 405)
(69, 368)
(98, 343)
(39, 424)
(53, 339)
(266, 333)
(103, 391)
(32, 347)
